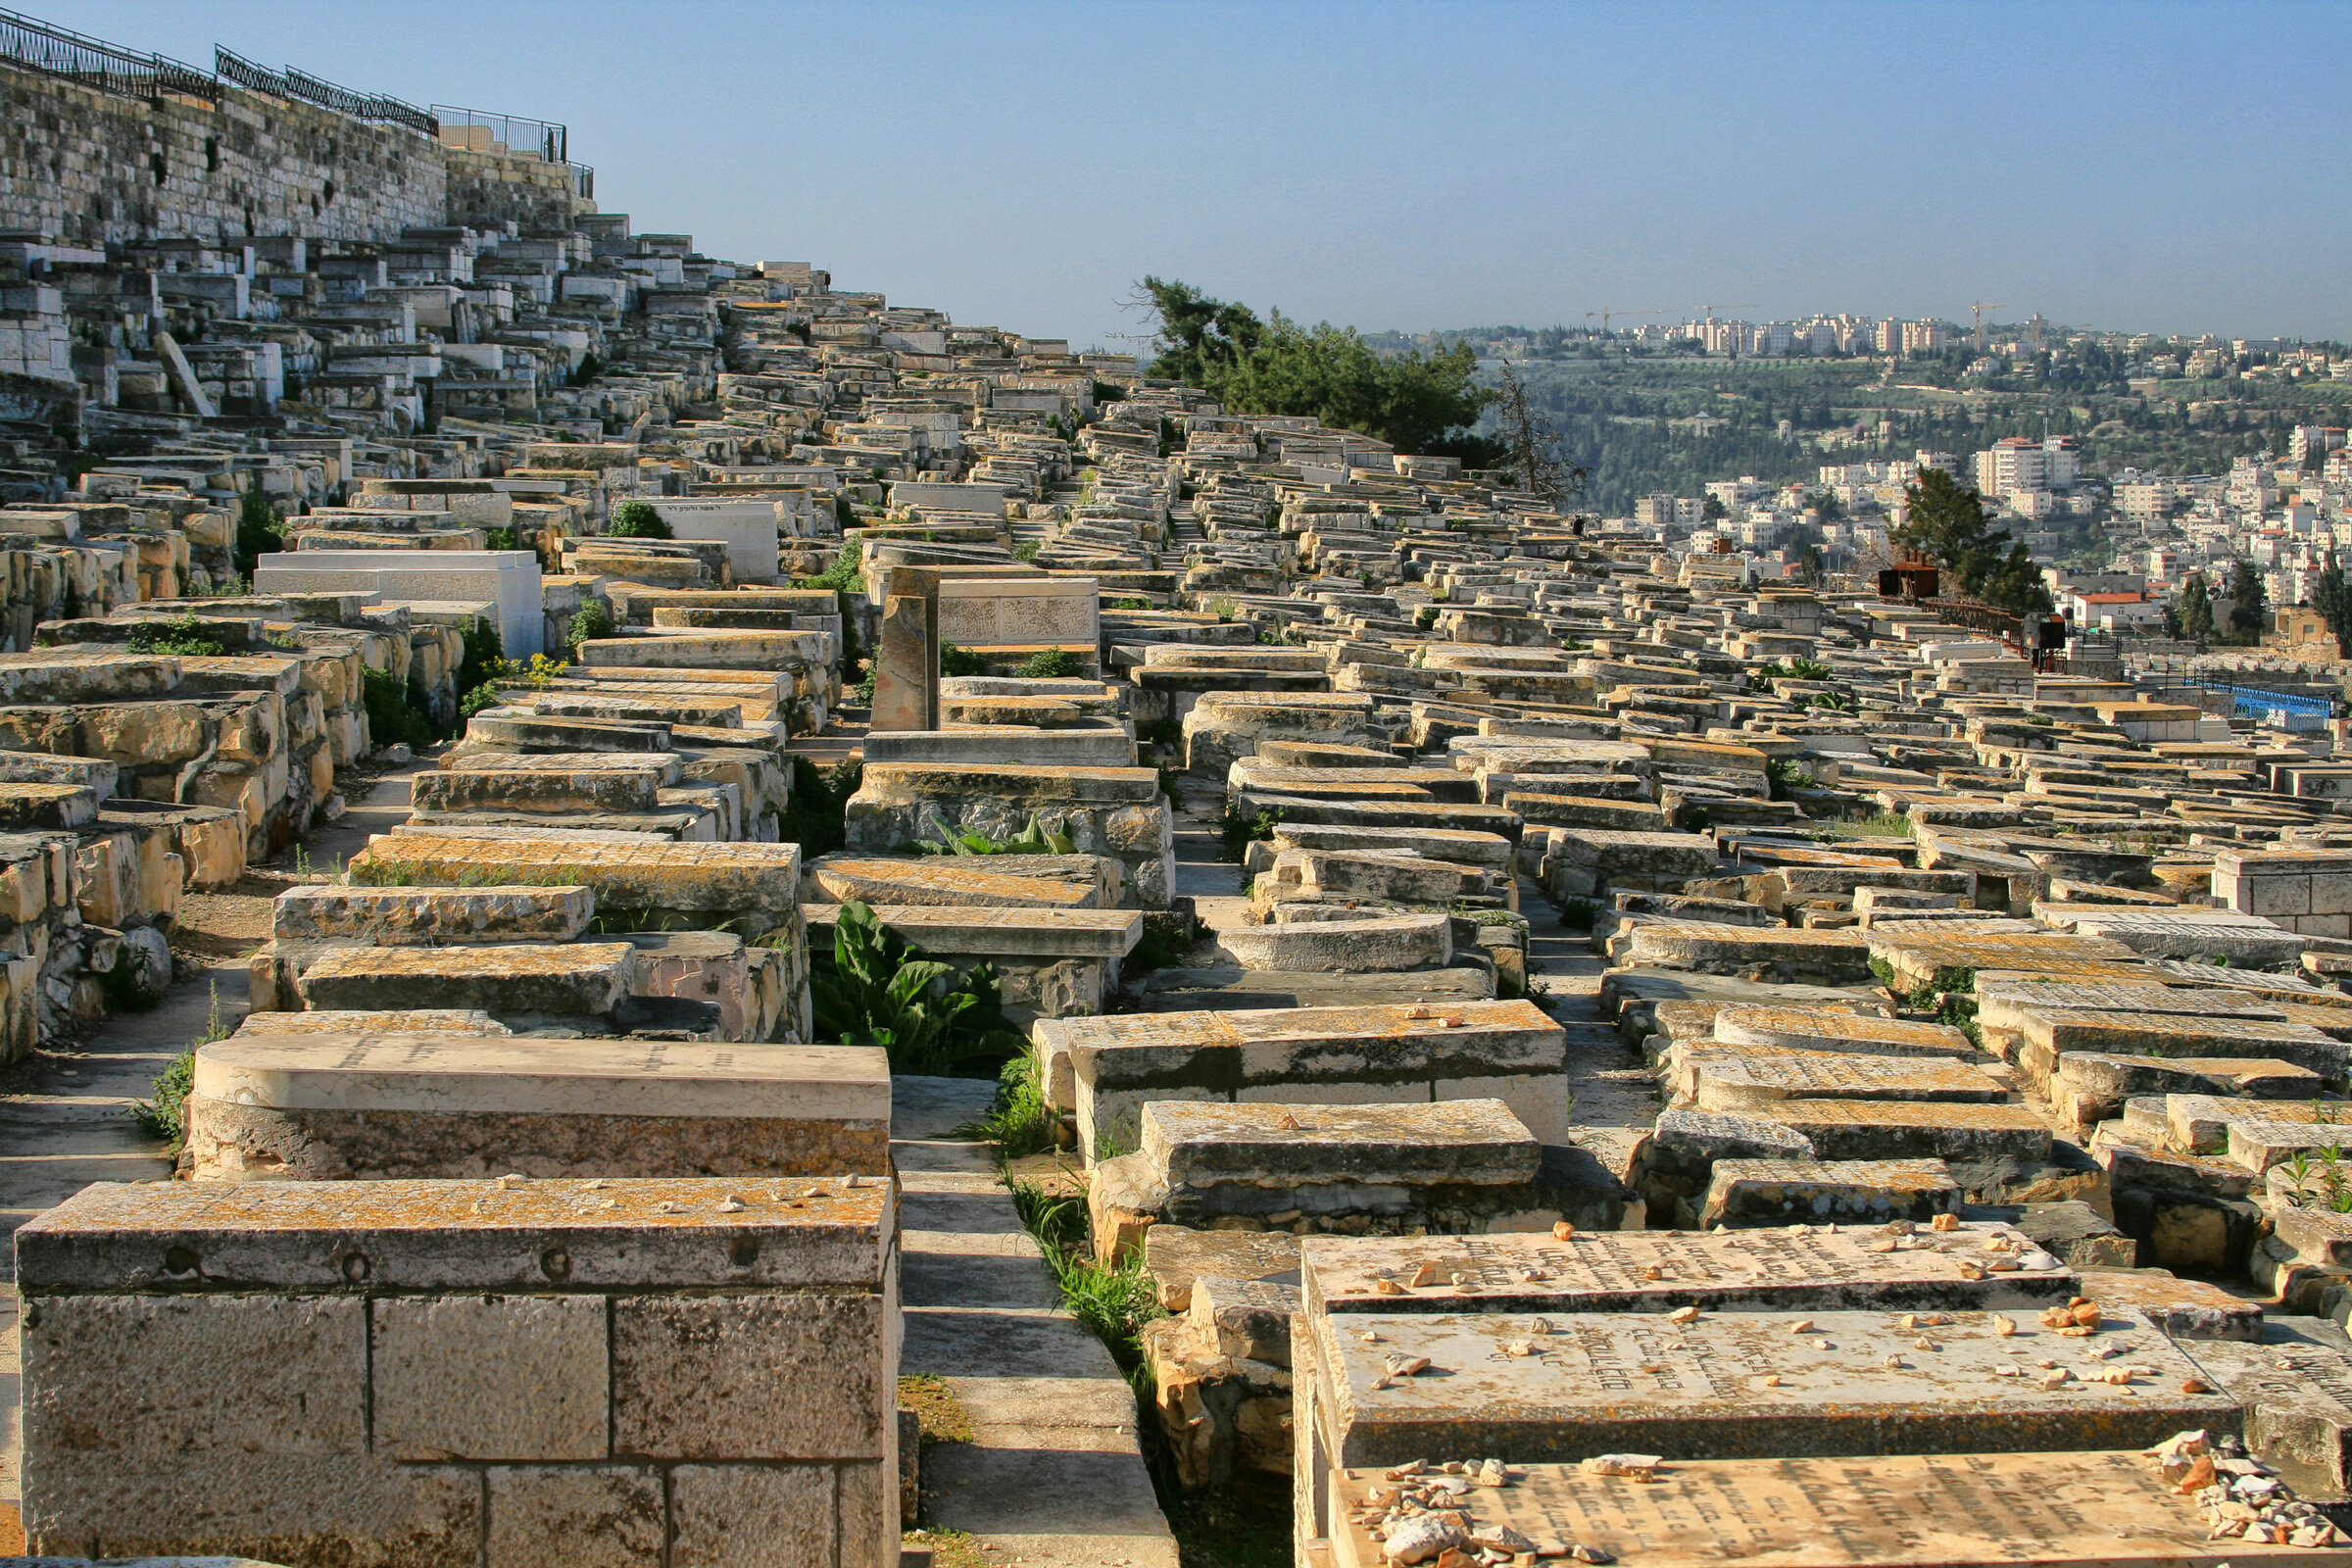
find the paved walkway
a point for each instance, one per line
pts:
(1053, 1477)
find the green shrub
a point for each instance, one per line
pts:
(1126, 604)
(815, 818)
(593, 619)
(1237, 832)
(260, 531)
(1578, 914)
(500, 539)
(392, 714)
(1025, 551)
(875, 988)
(1054, 663)
(842, 574)
(955, 661)
(637, 519)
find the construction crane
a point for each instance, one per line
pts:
(1981, 308)
(1607, 311)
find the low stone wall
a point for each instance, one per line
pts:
(629, 1372)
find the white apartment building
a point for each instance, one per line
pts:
(1668, 511)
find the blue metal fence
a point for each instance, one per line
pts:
(2286, 709)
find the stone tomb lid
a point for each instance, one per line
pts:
(2296, 1381)
(1624, 1383)
(507, 1235)
(1724, 1078)
(1175, 1256)
(1471, 1142)
(460, 1074)
(1410, 1042)
(2185, 1309)
(1820, 1029)
(1797, 1267)
(2095, 1510)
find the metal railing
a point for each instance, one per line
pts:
(479, 130)
(2289, 711)
(303, 87)
(94, 62)
(583, 181)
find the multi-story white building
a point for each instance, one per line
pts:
(1668, 511)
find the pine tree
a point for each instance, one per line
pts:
(2334, 605)
(2250, 604)
(2197, 609)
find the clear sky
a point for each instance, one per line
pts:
(1408, 166)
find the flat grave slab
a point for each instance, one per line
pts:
(1819, 1029)
(1956, 1510)
(1797, 1267)
(1742, 1385)
(1724, 1080)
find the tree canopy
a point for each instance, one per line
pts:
(1945, 523)
(1417, 403)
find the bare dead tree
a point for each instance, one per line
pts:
(1536, 450)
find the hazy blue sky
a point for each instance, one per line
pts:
(2171, 167)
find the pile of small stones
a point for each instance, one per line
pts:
(2240, 1496)
(1420, 1513)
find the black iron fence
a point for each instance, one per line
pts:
(94, 62)
(479, 130)
(306, 88)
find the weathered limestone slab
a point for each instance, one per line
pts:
(1348, 947)
(1469, 1049)
(703, 884)
(1459, 1166)
(2059, 1030)
(1918, 956)
(1814, 958)
(429, 916)
(2184, 1310)
(2295, 1381)
(1947, 1511)
(1782, 1192)
(1090, 745)
(1739, 1385)
(1746, 1081)
(578, 979)
(1114, 811)
(320, 1371)
(1815, 1029)
(381, 1105)
(1855, 1129)
(1474, 1142)
(1007, 881)
(1798, 1268)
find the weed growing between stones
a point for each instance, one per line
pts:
(181, 635)
(162, 1116)
(1578, 914)
(1237, 831)
(1019, 1123)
